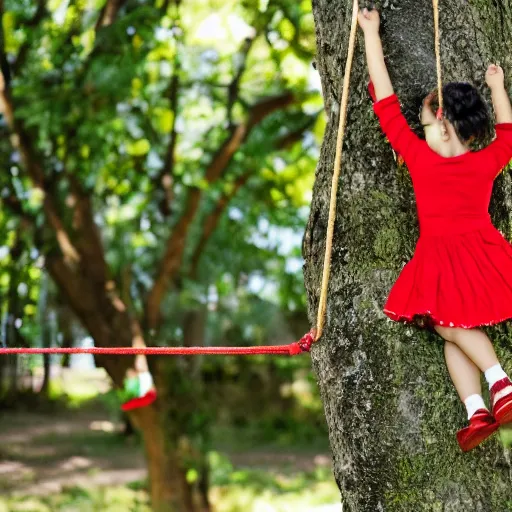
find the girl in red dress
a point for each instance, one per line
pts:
(460, 277)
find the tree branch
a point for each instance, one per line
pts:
(109, 13)
(98, 312)
(106, 18)
(88, 237)
(266, 107)
(296, 136)
(234, 86)
(175, 247)
(89, 240)
(171, 260)
(212, 220)
(165, 177)
(240, 133)
(21, 142)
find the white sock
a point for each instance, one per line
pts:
(494, 374)
(473, 403)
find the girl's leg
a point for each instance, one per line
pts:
(474, 343)
(478, 348)
(464, 373)
(465, 376)
(466, 379)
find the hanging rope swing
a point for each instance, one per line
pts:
(437, 47)
(305, 343)
(322, 306)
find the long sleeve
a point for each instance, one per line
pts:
(499, 152)
(394, 125)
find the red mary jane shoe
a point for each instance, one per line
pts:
(501, 400)
(481, 426)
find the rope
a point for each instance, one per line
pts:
(303, 345)
(322, 306)
(437, 44)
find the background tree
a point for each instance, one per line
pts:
(151, 149)
(19, 287)
(391, 410)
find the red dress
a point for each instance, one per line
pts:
(461, 271)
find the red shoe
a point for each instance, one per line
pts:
(501, 400)
(481, 426)
(137, 403)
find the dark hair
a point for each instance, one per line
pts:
(465, 108)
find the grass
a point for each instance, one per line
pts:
(79, 388)
(257, 490)
(77, 499)
(233, 490)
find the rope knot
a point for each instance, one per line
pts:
(306, 341)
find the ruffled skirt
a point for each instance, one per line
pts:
(462, 280)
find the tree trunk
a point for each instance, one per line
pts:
(65, 326)
(194, 333)
(112, 325)
(46, 336)
(391, 409)
(169, 489)
(44, 325)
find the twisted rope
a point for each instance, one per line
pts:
(322, 306)
(437, 46)
(303, 345)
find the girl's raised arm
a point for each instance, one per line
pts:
(387, 107)
(369, 21)
(496, 81)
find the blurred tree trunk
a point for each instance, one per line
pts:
(46, 337)
(169, 489)
(128, 429)
(3, 366)
(14, 312)
(168, 425)
(194, 333)
(44, 323)
(12, 389)
(117, 328)
(391, 409)
(175, 431)
(65, 327)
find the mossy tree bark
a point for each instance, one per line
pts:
(391, 409)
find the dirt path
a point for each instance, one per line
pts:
(44, 453)
(40, 454)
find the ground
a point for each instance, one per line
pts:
(76, 460)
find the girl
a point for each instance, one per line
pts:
(460, 277)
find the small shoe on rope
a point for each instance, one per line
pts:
(481, 426)
(139, 402)
(501, 400)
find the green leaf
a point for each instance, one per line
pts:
(140, 147)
